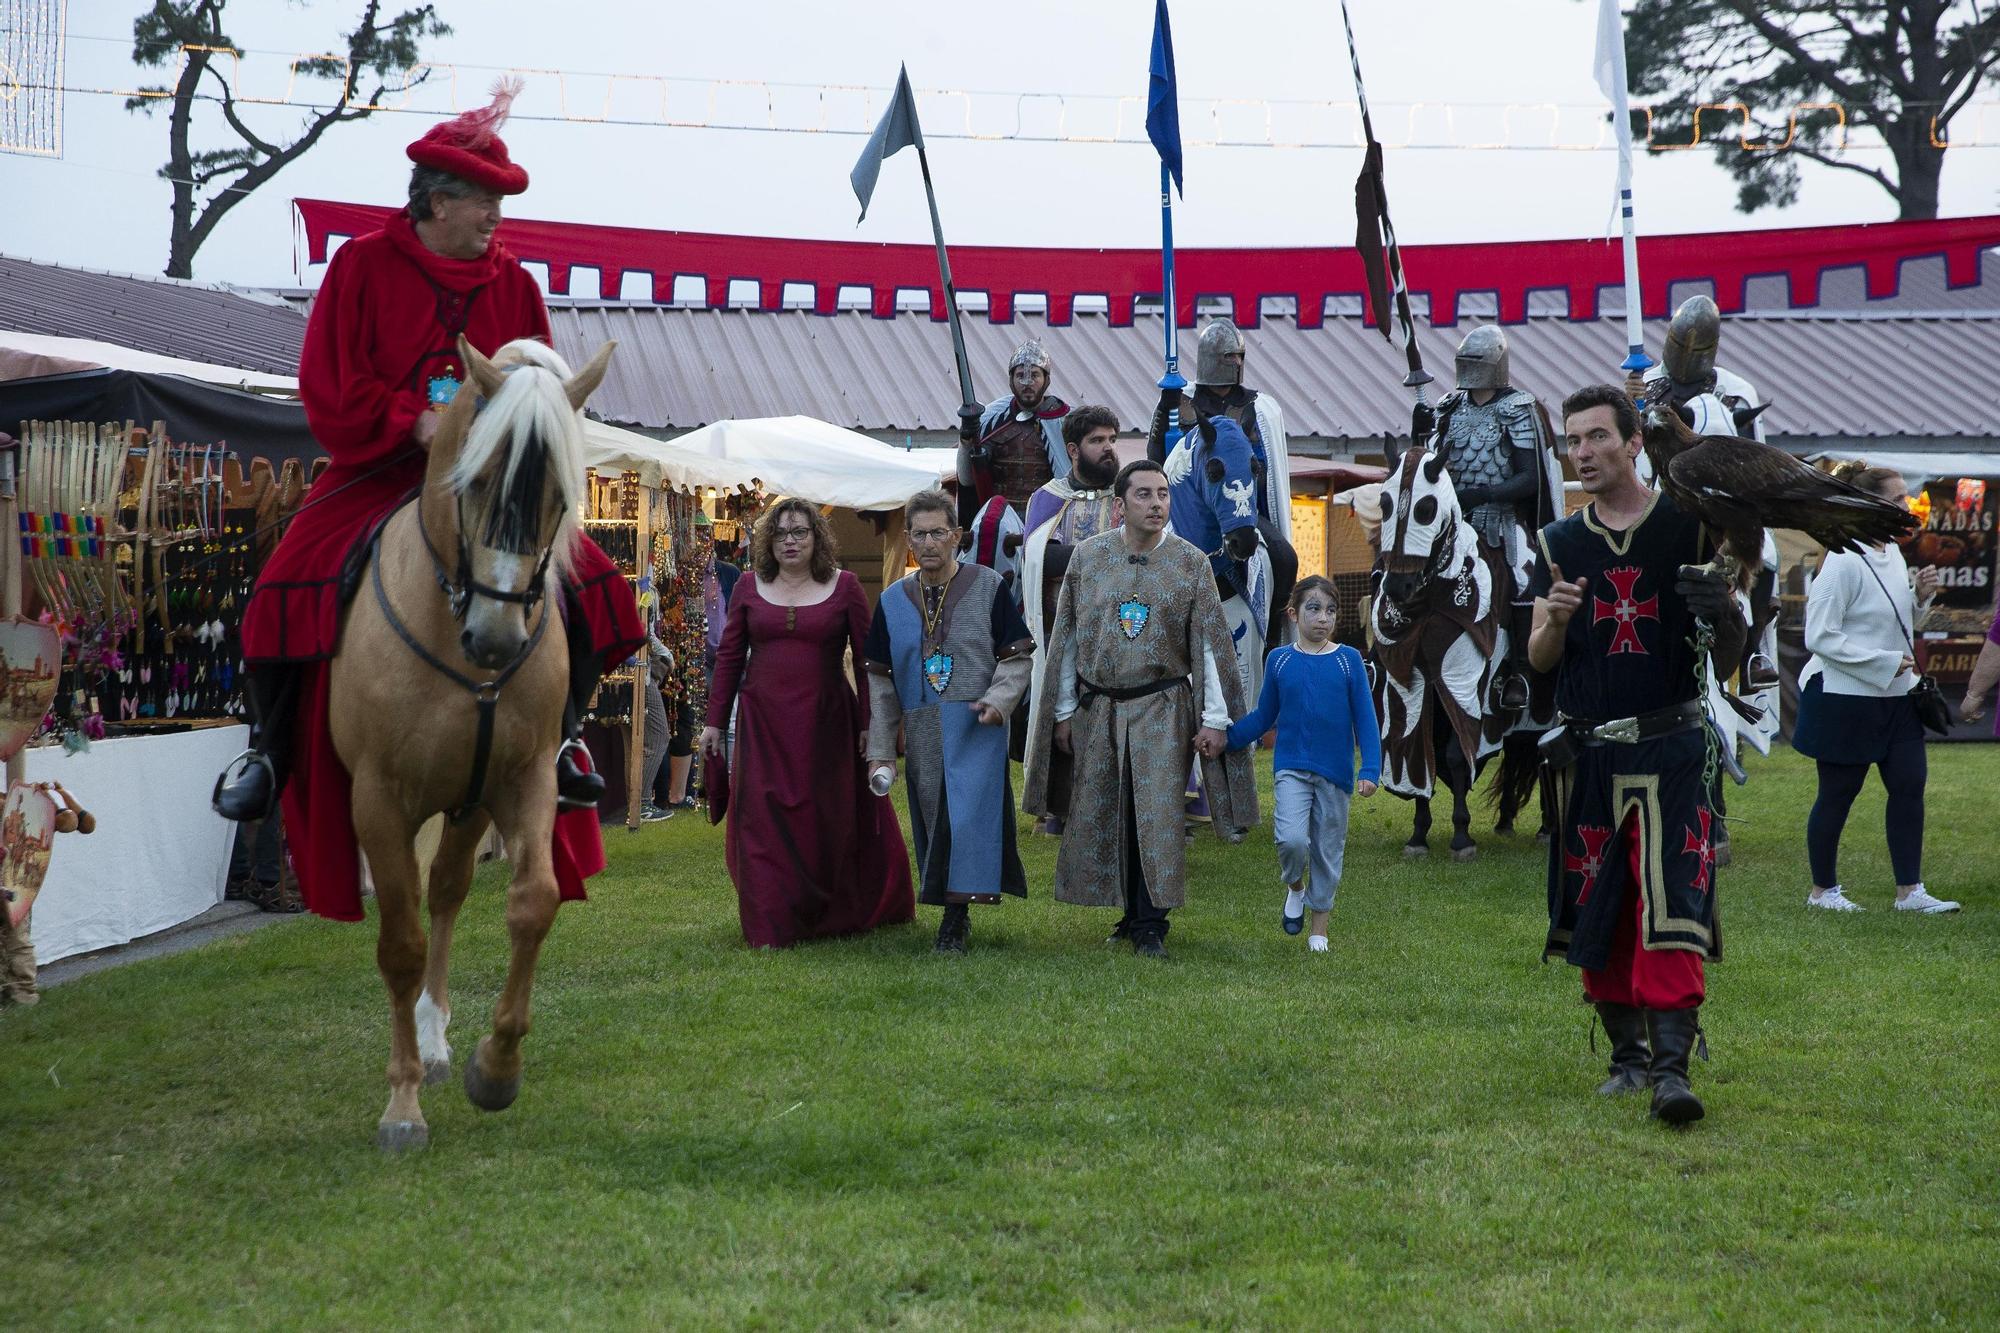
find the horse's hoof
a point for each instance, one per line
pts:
(489, 1094)
(1464, 854)
(1413, 851)
(1542, 838)
(395, 1136)
(436, 1071)
(1503, 830)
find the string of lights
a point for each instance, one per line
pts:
(774, 106)
(1055, 119)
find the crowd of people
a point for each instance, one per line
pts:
(1088, 638)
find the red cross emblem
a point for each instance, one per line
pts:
(1703, 848)
(1591, 864)
(1626, 611)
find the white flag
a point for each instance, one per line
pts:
(1610, 71)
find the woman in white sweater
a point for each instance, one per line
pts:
(1854, 705)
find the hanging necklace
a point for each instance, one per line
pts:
(933, 614)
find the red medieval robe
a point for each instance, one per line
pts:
(380, 342)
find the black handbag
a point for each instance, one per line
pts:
(1925, 696)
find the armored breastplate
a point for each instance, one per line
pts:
(1018, 455)
(1476, 449)
(1477, 452)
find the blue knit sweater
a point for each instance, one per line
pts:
(1323, 713)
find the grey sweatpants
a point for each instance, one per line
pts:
(1310, 827)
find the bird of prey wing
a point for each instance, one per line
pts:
(1738, 486)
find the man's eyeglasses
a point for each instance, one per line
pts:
(929, 536)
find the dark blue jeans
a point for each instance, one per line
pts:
(259, 858)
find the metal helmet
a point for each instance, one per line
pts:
(1031, 354)
(1692, 334)
(1221, 338)
(1482, 359)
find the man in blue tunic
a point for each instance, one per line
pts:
(948, 659)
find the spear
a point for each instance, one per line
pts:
(1610, 69)
(1163, 127)
(1381, 257)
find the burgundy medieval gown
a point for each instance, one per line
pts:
(813, 852)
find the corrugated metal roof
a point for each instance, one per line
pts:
(1879, 369)
(196, 321)
(1830, 374)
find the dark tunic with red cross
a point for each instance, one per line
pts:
(1629, 651)
(380, 347)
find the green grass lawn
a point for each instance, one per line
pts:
(1049, 1131)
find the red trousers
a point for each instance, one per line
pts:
(1643, 978)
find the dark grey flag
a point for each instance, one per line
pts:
(898, 130)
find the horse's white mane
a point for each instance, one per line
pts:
(532, 405)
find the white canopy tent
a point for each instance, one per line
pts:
(802, 456)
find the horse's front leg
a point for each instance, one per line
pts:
(389, 841)
(1420, 829)
(525, 815)
(450, 880)
(1458, 772)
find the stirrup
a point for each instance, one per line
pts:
(1511, 691)
(586, 769)
(243, 766)
(1759, 674)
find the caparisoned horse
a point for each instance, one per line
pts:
(447, 697)
(1440, 635)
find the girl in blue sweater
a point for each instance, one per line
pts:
(1316, 691)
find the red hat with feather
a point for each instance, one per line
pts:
(469, 146)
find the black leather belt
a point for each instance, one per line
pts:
(1651, 726)
(1090, 691)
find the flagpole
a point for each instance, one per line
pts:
(1611, 53)
(1421, 416)
(968, 408)
(1172, 379)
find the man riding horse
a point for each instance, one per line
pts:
(1496, 444)
(1219, 391)
(379, 367)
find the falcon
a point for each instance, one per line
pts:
(1739, 487)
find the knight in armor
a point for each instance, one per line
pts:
(1496, 444)
(1016, 444)
(1219, 390)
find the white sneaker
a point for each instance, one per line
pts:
(1920, 900)
(1833, 900)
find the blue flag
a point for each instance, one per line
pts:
(1163, 108)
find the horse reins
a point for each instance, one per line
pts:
(459, 593)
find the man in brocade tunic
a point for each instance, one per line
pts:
(1134, 681)
(948, 658)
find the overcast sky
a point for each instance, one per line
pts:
(100, 204)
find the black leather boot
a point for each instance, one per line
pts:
(953, 930)
(1630, 1056)
(1672, 1034)
(248, 789)
(578, 787)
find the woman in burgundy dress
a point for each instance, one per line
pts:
(812, 851)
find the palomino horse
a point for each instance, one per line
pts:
(1440, 635)
(447, 696)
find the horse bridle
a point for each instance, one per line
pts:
(459, 590)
